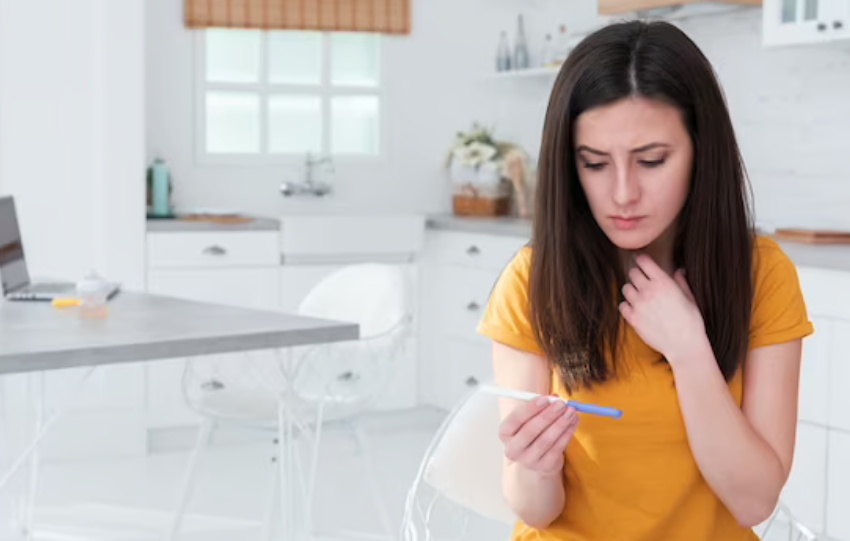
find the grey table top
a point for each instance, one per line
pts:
(139, 327)
(178, 225)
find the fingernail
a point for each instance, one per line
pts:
(541, 401)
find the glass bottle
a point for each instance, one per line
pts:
(521, 59)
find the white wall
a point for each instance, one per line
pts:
(72, 153)
(72, 134)
(789, 105)
(432, 87)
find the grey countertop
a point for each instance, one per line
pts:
(832, 257)
(139, 327)
(488, 226)
(256, 224)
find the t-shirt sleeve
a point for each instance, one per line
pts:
(779, 309)
(507, 317)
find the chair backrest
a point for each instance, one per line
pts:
(373, 295)
(464, 464)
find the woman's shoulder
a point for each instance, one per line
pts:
(769, 256)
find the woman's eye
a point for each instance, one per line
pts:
(593, 166)
(651, 163)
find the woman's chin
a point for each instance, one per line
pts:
(630, 240)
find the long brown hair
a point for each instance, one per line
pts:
(575, 267)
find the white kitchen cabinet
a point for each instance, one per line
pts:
(815, 373)
(806, 487)
(839, 394)
(235, 268)
(245, 287)
(459, 270)
(296, 281)
(312, 247)
(838, 487)
(794, 22)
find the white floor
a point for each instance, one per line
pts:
(132, 499)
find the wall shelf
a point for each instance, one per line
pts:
(530, 73)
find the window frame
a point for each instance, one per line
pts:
(325, 91)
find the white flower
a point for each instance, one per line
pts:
(478, 153)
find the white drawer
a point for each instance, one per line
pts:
(212, 249)
(456, 367)
(458, 298)
(473, 250)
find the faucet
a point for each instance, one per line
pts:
(309, 186)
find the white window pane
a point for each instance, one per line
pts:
(233, 56)
(295, 124)
(233, 122)
(355, 125)
(355, 59)
(295, 58)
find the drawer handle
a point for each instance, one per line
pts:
(214, 250)
(473, 250)
(473, 306)
(471, 381)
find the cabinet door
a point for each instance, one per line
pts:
(839, 398)
(246, 287)
(789, 22)
(815, 373)
(804, 492)
(451, 368)
(838, 488)
(296, 281)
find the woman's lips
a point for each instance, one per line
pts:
(626, 223)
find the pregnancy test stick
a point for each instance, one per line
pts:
(528, 396)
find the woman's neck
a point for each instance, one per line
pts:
(661, 251)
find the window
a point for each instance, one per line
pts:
(277, 95)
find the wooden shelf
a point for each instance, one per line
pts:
(614, 7)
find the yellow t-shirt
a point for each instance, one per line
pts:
(635, 478)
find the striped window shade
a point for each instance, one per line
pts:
(382, 16)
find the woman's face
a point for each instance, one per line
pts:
(634, 161)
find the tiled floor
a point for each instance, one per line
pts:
(132, 499)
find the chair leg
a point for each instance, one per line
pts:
(364, 450)
(204, 434)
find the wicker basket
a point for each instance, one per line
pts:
(476, 205)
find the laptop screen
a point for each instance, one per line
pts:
(13, 266)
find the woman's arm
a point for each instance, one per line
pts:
(744, 454)
(536, 498)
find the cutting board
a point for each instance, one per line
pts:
(813, 236)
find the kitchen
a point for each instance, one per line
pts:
(106, 88)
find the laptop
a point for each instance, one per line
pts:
(13, 264)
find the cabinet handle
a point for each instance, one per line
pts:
(214, 250)
(472, 306)
(821, 27)
(473, 250)
(471, 381)
(838, 25)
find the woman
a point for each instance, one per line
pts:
(645, 288)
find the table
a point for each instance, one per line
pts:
(36, 337)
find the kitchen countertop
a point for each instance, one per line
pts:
(484, 225)
(819, 256)
(140, 327)
(256, 224)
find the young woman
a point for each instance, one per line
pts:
(645, 288)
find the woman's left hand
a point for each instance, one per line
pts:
(662, 309)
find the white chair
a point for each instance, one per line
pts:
(296, 394)
(462, 467)
(460, 474)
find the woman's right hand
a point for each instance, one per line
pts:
(536, 433)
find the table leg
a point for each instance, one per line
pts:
(38, 427)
